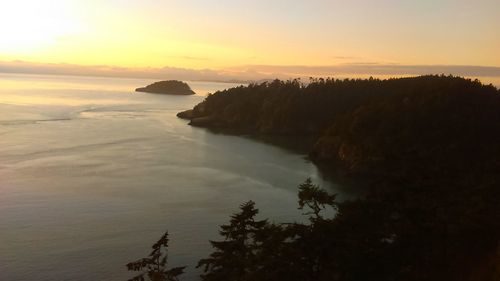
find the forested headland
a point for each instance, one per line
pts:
(406, 125)
(429, 147)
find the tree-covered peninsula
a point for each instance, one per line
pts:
(429, 147)
(418, 125)
(170, 87)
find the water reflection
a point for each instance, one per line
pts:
(92, 173)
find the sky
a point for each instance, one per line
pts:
(232, 39)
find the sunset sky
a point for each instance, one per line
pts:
(277, 36)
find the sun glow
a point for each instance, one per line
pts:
(196, 34)
(31, 25)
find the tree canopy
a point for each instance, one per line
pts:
(429, 149)
(408, 235)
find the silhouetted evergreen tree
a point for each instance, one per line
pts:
(315, 198)
(154, 266)
(235, 258)
(403, 235)
(416, 233)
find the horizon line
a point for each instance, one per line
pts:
(252, 73)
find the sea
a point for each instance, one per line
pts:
(93, 173)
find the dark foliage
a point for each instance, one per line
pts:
(154, 266)
(430, 149)
(379, 238)
(412, 126)
(430, 127)
(314, 198)
(234, 258)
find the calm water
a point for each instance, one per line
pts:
(91, 174)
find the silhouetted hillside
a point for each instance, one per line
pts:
(426, 123)
(430, 149)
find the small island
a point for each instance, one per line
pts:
(170, 87)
